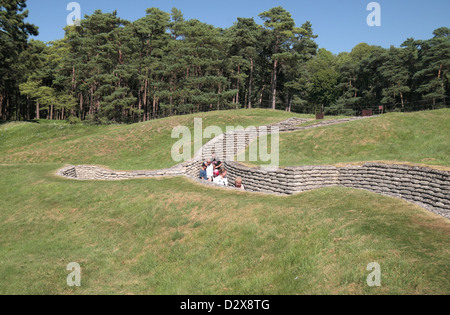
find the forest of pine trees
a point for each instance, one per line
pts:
(112, 70)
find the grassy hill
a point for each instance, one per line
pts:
(173, 236)
(420, 137)
(127, 147)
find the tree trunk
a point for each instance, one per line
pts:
(245, 100)
(7, 108)
(1, 106)
(139, 104)
(261, 95)
(250, 85)
(154, 108)
(28, 108)
(18, 108)
(145, 101)
(38, 116)
(289, 105)
(274, 88)
(91, 105)
(238, 86)
(403, 103)
(98, 105)
(82, 112)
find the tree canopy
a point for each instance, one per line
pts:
(108, 69)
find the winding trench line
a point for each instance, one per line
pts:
(427, 187)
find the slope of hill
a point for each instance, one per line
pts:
(420, 137)
(173, 236)
(138, 146)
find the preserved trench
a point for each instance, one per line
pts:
(425, 186)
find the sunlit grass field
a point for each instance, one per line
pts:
(173, 236)
(420, 138)
(126, 147)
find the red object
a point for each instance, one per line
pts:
(367, 112)
(320, 116)
(381, 107)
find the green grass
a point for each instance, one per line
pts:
(421, 137)
(173, 237)
(126, 147)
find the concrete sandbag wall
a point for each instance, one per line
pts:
(422, 185)
(89, 172)
(425, 186)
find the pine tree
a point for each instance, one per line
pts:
(434, 58)
(153, 38)
(108, 69)
(14, 32)
(245, 37)
(349, 68)
(324, 80)
(30, 65)
(396, 75)
(31, 90)
(296, 79)
(282, 28)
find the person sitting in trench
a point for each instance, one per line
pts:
(222, 179)
(203, 175)
(238, 183)
(216, 174)
(216, 163)
(210, 170)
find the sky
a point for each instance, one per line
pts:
(340, 24)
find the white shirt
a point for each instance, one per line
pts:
(222, 181)
(210, 171)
